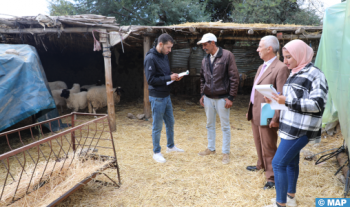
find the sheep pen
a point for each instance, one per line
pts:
(187, 179)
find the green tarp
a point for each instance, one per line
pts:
(333, 58)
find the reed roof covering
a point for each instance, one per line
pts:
(21, 29)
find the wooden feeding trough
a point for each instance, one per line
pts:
(42, 167)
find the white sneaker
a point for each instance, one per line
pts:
(272, 205)
(174, 149)
(290, 202)
(159, 157)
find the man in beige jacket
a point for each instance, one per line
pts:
(274, 72)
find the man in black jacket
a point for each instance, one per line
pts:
(157, 70)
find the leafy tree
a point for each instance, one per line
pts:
(220, 9)
(168, 12)
(135, 12)
(274, 11)
(61, 7)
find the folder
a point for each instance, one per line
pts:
(266, 114)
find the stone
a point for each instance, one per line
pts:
(140, 116)
(131, 116)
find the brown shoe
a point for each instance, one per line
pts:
(226, 159)
(206, 152)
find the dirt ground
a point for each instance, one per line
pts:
(187, 179)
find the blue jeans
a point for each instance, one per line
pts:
(285, 165)
(162, 109)
(213, 106)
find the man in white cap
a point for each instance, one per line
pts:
(219, 84)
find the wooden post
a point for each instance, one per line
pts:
(146, 103)
(109, 83)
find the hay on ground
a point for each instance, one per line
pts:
(187, 179)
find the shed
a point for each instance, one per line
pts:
(72, 36)
(66, 49)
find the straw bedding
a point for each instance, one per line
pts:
(187, 179)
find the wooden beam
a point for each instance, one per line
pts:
(252, 38)
(148, 34)
(193, 30)
(109, 83)
(11, 22)
(231, 28)
(239, 38)
(300, 30)
(149, 29)
(52, 30)
(146, 103)
(290, 37)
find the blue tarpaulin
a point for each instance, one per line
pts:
(23, 86)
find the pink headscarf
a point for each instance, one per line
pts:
(301, 52)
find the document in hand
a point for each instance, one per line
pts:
(180, 75)
(267, 90)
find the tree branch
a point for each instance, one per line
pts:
(136, 15)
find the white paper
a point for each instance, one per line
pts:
(180, 75)
(268, 90)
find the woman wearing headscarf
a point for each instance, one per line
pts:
(305, 95)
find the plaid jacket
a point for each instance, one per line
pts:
(306, 97)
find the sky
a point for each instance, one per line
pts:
(35, 7)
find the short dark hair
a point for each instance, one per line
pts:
(165, 38)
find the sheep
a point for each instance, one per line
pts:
(90, 87)
(75, 88)
(97, 97)
(60, 101)
(56, 85)
(87, 87)
(75, 101)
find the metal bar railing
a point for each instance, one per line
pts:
(46, 149)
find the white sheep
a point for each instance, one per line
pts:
(87, 87)
(75, 101)
(97, 97)
(56, 85)
(75, 88)
(60, 101)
